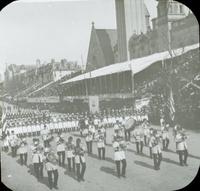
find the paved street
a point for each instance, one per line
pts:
(101, 175)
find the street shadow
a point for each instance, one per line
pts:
(31, 170)
(189, 155)
(71, 174)
(19, 162)
(132, 151)
(140, 163)
(193, 156)
(95, 156)
(44, 180)
(108, 170)
(167, 160)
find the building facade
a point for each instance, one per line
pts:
(25, 78)
(173, 28)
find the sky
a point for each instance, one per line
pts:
(45, 29)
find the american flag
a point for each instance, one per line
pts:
(171, 105)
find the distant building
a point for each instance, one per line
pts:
(28, 78)
(102, 48)
(173, 28)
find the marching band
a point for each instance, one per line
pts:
(92, 129)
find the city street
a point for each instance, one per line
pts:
(101, 175)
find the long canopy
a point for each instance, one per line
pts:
(135, 65)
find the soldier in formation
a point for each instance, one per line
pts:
(80, 162)
(51, 166)
(156, 149)
(100, 139)
(182, 148)
(119, 146)
(70, 147)
(23, 151)
(60, 147)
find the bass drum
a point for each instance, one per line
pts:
(129, 124)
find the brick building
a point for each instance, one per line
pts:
(173, 28)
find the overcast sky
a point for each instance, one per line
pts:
(47, 29)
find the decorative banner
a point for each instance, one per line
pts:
(141, 103)
(94, 104)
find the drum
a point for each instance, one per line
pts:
(129, 123)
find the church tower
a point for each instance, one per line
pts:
(168, 11)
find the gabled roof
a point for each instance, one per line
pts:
(107, 39)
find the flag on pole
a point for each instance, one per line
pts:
(171, 105)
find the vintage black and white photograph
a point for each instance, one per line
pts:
(99, 95)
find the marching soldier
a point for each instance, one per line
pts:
(80, 160)
(92, 127)
(150, 142)
(182, 147)
(119, 155)
(165, 137)
(52, 169)
(37, 159)
(13, 141)
(23, 151)
(45, 133)
(60, 149)
(70, 147)
(156, 150)
(88, 139)
(100, 144)
(128, 125)
(139, 140)
(146, 132)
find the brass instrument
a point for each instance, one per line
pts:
(60, 141)
(79, 151)
(51, 157)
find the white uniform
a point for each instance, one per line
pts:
(70, 150)
(89, 137)
(78, 156)
(60, 145)
(100, 140)
(137, 135)
(23, 148)
(37, 156)
(45, 134)
(165, 134)
(13, 140)
(156, 149)
(181, 144)
(119, 153)
(92, 129)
